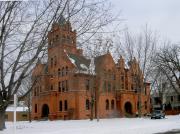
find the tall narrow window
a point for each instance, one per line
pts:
(62, 71)
(65, 105)
(145, 104)
(59, 86)
(60, 105)
(87, 84)
(59, 72)
(112, 104)
(87, 104)
(35, 108)
(145, 91)
(51, 87)
(104, 86)
(51, 62)
(66, 85)
(179, 98)
(172, 98)
(57, 37)
(63, 89)
(107, 104)
(109, 87)
(67, 70)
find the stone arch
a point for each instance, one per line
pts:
(45, 110)
(128, 108)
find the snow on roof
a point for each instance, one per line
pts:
(18, 109)
(84, 66)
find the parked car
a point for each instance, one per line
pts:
(157, 114)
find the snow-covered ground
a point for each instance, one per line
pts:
(104, 126)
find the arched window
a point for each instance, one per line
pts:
(87, 104)
(35, 108)
(112, 104)
(60, 105)
(65, 105)
(107, 104)
(145, 104)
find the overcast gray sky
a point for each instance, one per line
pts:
(161, 15)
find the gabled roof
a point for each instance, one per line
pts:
(100, 59)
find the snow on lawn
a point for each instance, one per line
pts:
(104, 126)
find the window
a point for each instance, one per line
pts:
(60, 105)
(145, 91)
(179, 98)
(59, 72)
(35, 108)
(104, 86)
(65, 105)
(87, 84)
(57, 37)
(171, 98)
(145, 104)
(62, 71)
(109, 87)
(87, 104)
(112, 104)
(63, 89)
(113, 77)
(51, 87)
(24, 115)
(51, 62)
(66, 70)
(122, 86)
(122, 78)
(107, 104)
(66, 85)
(59, 86)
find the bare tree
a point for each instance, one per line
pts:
(167, 60)
(23, 36)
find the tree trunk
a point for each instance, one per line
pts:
(2, 119)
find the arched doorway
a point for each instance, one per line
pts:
(128, 108)
(45, 110)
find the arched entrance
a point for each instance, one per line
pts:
(128, 108)
(45, 110)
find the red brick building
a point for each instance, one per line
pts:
(67, 87)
